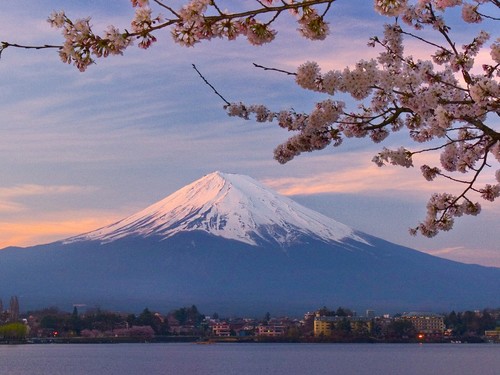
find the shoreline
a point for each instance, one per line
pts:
(207, 341)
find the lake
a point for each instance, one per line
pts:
(241, 359)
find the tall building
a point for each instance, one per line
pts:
(428, 323)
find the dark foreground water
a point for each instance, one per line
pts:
(226, 359)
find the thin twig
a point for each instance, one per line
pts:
(274, 69)
(7, 44)
(425, 40)
(210, 85)
(487, 16)
(171, 10)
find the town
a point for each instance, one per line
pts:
(51, 325)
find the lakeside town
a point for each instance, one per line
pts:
(52, 325)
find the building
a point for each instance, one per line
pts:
(426, 323)
(221, 329)
(492, 335)
(270, 330)
(324, 325)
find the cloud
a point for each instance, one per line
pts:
(354, 173)
(32, 189)
(8, 195)
(489, 257)
(10, 207)
(29, 233)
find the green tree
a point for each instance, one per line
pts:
(343, 312)
(147, 318)
(13, 331)
(343, 326)
(267, 318)
(75, 322)
(102, 320)
(401, 330)
(52, 322)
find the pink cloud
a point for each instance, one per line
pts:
(468, 255)
(354, 173)
(59, 226)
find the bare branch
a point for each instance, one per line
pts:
(210, 85)
(274, 69)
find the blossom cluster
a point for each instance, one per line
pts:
(448, 104)
(81, 45)
(196, 21)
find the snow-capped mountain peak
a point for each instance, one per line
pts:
(227, 205)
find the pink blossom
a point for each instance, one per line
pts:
(442, 4)
(429, 173)
(490, 192)
(469, 208)
(390, 7)
(308, 75)
(258, 34)
(470, 15)
(57, 19)
(140, 3)
(312, 26)
(484, 90)
(401, 157)
(495, 150)
(449, 157)
(495, 51)
(237, 109)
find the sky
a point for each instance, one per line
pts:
(82, 150)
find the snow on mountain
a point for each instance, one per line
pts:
(231, 206)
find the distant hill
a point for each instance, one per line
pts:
(230, 245)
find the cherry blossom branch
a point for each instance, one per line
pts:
(270, 9)
(495, 136)
(447, 206)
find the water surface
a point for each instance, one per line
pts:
(276, 359)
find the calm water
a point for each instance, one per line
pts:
(226, 359)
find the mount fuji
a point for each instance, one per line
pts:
(230, 206)
(229, 244)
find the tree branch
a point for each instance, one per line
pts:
(210, 85)
(274, 69)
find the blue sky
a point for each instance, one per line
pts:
(81, 150)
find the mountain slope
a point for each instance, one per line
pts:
(228, 244)
(230, 206)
